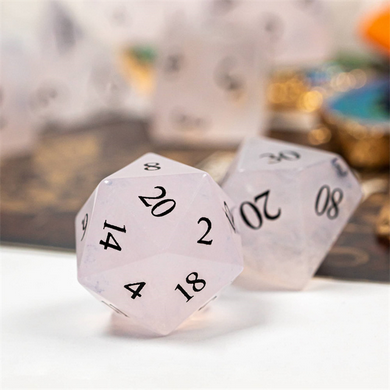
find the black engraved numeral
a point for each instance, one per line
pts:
(201, 240)
(136, 293)
(339, 169)
(334, 197)
(273, 27)
(173, 63)
(288, 155)
(225, 78)
(229, 216)
(152, 166)
(244, 207)
(159, 204)
(195, 281)
(84, 224)
(107, 243)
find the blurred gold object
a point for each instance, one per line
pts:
(383, 223)
(319, 136)
(293, 89)
(363, 146)
(287, 89)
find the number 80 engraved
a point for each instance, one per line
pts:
(330, 196)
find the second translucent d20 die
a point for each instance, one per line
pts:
(210, 80)
(292, 204)
(156, 241)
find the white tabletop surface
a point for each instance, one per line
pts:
(55, 335)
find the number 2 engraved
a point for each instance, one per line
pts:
(107, 243)
(288, 155)
(152, 166)
(195, 281)
(257, 212)
(159, 204)
(201, 240)
(332, 211)
(84, 224)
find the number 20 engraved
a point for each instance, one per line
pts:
(159, 204)
(332, 212)
(257, 212)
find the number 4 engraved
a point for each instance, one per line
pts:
(107, 243)
(136, 293)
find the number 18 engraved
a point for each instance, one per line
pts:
(195, 281)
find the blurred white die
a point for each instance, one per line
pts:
(293, 203)
(17, 133)
(210, 86)
(297, 32)
(156, 242)
(77, 78)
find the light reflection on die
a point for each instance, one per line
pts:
(292, 204)
(156, 242)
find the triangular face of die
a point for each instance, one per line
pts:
(152, 164)
(260, 153)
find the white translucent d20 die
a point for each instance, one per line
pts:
(210, 83)
(296, 31)
(156, 241)
(292, 204)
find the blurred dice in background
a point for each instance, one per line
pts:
(17, 134)
(77, 77)
(296, 31)
(212, 69)
(210, 85)
(293, 202)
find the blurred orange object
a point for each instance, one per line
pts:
(376, 29)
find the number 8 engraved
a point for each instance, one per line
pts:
(152, 166)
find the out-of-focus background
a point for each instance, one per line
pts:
(88, 86)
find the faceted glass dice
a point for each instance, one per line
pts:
(224, 70)
(292, 204)
(156, 241)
